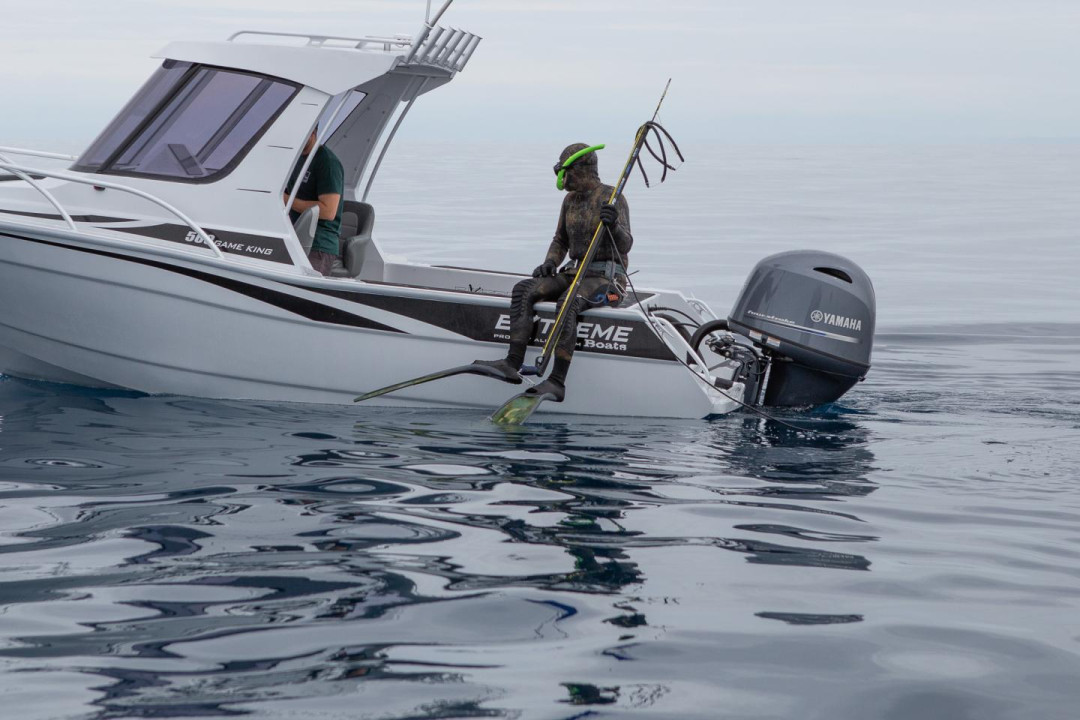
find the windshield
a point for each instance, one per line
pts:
(188, 123)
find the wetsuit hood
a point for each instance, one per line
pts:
(582, 173)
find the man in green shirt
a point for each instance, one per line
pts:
(323, 185)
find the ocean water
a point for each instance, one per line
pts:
(912, 554)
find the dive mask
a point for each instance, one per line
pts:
(561, 168)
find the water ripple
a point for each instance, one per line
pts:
(169, 557)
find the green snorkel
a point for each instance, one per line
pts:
(560, 170)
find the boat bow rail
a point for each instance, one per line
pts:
(30, 175)
(38, 153)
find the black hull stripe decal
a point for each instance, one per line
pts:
(76, 218)
(296, 305)
(16, 178)
(263, 247)
(489, 323)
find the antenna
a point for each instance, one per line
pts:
(427, 15)
(439, 14)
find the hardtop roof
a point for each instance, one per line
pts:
(332, 71)
(327, 63)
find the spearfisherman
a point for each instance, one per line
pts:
(603, 282)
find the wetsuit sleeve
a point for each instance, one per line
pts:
(560, 243)
(624, 240)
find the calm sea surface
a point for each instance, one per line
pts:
(913, 555)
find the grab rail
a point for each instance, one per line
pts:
(37, 153)
(433, 45)
(22, 172)
(453, 52)
(319, 40)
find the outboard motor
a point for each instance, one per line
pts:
(812, 313)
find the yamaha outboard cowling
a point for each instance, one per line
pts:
(813, 314)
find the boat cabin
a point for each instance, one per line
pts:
(202, 154)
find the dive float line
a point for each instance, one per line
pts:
(590, 253)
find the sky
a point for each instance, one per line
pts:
(744, 71)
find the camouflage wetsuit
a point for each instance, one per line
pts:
(604, 281)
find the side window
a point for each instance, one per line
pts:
(348, 101)
(205, 125)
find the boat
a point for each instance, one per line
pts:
(162, 260)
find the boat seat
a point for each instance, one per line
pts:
(357, 220)
(305, 227)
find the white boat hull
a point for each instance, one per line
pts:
(75, 311)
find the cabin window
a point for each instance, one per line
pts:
(199, 127)
(349, 101)
(160, 85)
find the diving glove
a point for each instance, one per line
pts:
(545, 270)
(609, 215)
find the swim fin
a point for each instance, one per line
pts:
(476, 368)
(520, 408)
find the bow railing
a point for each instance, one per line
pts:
(32, 176)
